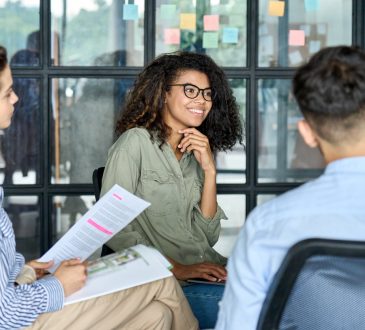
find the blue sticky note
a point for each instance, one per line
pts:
(230, 35)
(311, 5)
(130, 12)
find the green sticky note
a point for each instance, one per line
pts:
(130, 12)
(210, 40)
(167, 12)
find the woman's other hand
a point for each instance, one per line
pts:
(204, 270)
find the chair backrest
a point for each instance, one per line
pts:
(97, 180)
(319, 286)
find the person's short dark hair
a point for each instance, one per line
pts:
(3, 58)
(330, 91)
(33, 41)
(145, 102)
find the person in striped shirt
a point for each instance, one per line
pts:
(28, 298)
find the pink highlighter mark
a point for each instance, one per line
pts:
(94, 224)
(118, 197)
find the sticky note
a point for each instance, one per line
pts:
(210, 39)
(171, 36)
(211, 22)
(130, 12)
(230, 35)
(296, 38)
(188, 21)
(311, 5)
(314, 46)
(295, 57)
(276, 8)
(167, 12)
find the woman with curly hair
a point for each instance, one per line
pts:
(180, 111)
(31, 298)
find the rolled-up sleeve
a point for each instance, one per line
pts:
(210, 226)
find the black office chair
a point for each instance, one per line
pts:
(319, 286)
(97, 180)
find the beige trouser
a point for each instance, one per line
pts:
(157, 305)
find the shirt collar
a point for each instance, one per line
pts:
(349, 164)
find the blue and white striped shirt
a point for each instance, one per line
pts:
(21, 305)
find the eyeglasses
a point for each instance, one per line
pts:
(191, 91)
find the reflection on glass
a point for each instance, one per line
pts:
(19, 158)
(84, 115)
(263, 198)
(97, 33)
(231, 165)
(205, 26)
(283, 155)
(23, 212)
(289, 38)
(66, 210)
(234, 207)
(19, 26)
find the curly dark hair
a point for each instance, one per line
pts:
(3, 58)
(145, 102)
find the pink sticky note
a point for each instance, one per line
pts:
(172, 36)
(211, 22)
(296, 38)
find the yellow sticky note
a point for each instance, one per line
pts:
(276, 8)
(188, 21)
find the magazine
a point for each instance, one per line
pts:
(122, 270)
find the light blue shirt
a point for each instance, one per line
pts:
(332, 206)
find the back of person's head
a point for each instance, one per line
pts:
(145, 103)
(330, 91)
(33, 41)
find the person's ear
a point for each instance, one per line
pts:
(307, 133)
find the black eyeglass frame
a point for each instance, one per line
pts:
(199, 90)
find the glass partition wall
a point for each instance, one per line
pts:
(75, 61)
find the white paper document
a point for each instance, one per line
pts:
(115, 210)
(122, 270)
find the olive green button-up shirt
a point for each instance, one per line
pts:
(173, 223)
